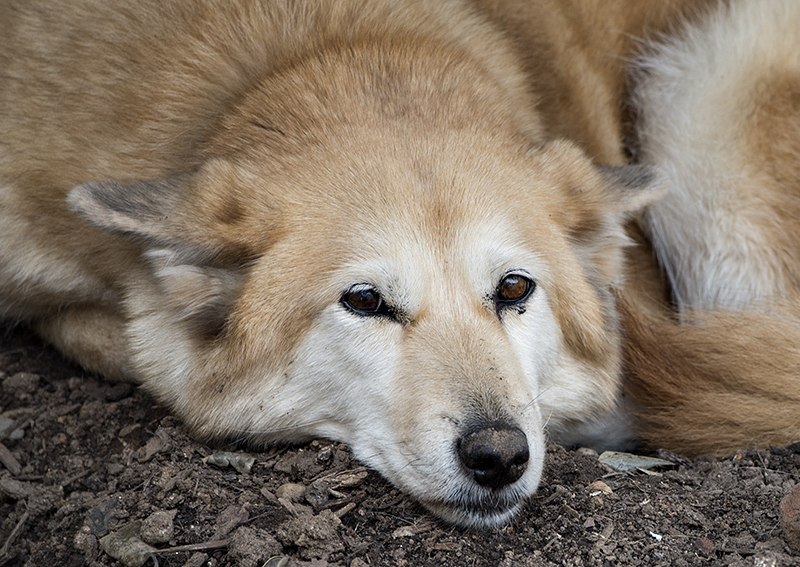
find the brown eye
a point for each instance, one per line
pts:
(514, 288)
(364, 301)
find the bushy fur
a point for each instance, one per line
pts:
(718, 113)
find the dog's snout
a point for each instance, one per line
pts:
(495, 456)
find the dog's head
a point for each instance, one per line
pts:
(429, 288)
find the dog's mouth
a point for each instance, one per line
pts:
(483, 511)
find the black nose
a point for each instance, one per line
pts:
(495, 455)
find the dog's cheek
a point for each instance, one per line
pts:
(344, 370)
(574, 349)
(200, 297)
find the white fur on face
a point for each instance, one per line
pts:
(396, 391)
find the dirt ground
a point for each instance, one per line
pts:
(90, 471)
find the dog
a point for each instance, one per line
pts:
(419, 228)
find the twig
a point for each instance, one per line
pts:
(73, 478)
(9, 461)
(12, 536)
(344, 509)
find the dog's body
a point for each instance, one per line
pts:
(376, 223)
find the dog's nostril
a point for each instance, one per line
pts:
(495, 456)
(522, 459)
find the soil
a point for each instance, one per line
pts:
(91, 470)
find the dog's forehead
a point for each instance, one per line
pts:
(448, 206)
(444, 181)
(427, 227)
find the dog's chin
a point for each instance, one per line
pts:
(469, 511)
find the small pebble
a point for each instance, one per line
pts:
(315, 537)
(86, 542)
(790, 518)
(158, 527)
(292, 492)
(325, 455)
(250, 547)
(317, 494)
(21, 383)
(241, 462)
(704, 547)
(125, 546)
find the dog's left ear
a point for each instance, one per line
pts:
(601, 200)
(198, 270)
(596, 200)
(596, 213)
(596, 205)
(632, 187)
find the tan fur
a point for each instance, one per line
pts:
(722, 380)
(773, 139)
(718, 111)
(707, 397)
(190, 191)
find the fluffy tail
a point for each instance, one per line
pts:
(727, 233)
(715, 382)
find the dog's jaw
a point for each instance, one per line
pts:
(465, 513)
(431, 472)
(472, 506)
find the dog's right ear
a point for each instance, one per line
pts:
(156, 212)
(198, 270)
